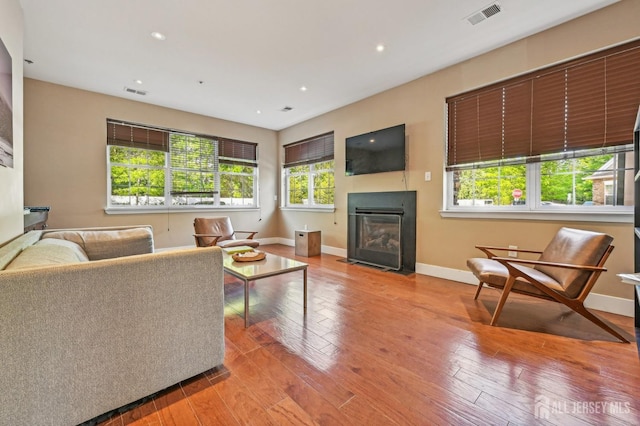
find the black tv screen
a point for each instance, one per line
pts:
(376, 152)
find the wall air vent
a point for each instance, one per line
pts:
(485, 13)
(135, 92)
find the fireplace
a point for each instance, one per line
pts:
(381, 230)
(379, 237)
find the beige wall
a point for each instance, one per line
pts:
(65, 160)
(420, 104)
(11, 179)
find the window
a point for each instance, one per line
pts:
(551, 140)
(158, 167)
(590, 181)
(308, 173)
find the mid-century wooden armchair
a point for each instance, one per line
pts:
(565, 272)
(218, 231)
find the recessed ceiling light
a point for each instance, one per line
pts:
(137, 81)
(258, 112)
(380, 47)
(303, 88)
(158, 36)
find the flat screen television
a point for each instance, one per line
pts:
(376, 152)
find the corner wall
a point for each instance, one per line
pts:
(11, 179)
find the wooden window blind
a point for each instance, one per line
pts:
(237, 152)
(137, 136)
(312, 150)
(193, 165)
(586, 103)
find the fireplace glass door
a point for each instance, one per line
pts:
(378, 240)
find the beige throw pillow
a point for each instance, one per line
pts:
(48, 252)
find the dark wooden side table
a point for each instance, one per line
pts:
(307, 243)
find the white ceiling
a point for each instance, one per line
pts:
(256, 54)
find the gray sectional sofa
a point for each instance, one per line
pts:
(93, 319)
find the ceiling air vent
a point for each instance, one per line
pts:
(286, 109)
(485, 13)
(135, 92)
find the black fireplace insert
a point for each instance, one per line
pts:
(382, 229)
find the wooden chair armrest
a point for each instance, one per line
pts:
(250, 237)
(508, 249)
(199, 241)
(543, 263)
(487, 250)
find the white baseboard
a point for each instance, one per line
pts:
(335, 251)
(287, 242)
(601, 302)
(615, 305)
(271, 240)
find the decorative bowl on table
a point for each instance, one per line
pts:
(249, 256)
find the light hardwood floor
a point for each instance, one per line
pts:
(379, 348)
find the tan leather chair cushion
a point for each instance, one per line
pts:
(495, 274)
(574, 246)
(237, 243)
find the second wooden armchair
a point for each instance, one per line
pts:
(218, 231)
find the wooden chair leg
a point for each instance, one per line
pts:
(480, 285)
(579, 308)
(503, 298)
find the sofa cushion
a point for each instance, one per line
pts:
(107, 244)
(48, 252)
(10, 250)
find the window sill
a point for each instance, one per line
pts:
(164, 210)
(607, 217)
(310, 209)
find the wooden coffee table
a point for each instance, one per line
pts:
(268, 267)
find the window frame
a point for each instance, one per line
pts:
(307, 152)
(164, 168)
(310, 174)
(254, 176)
(533, 207)
(168, 195)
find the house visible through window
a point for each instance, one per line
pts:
(158, 167)
(308, 172)
(555, 138)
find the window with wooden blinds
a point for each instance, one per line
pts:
(165, 167)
